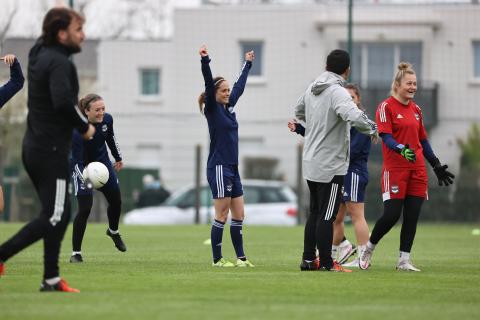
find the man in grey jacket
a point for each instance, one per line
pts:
(328, 112)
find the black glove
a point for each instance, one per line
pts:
(408, 153)
(444, 176)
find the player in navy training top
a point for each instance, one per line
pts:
(85, 152)
(355, 183)
(8, 90)
(217, 103)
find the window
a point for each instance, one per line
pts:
(476, 59)
(257, 47)
(374, 63)
(150, 82)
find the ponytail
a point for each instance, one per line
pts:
(201, 101)
(202, 97)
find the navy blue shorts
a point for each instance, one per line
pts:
(354, 186)
(224, 181)
(82, 190)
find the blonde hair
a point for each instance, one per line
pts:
(403, 68)
(201, 98)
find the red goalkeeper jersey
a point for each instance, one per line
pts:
(405, 124)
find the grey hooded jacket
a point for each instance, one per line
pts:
(328, 110)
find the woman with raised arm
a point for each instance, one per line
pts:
(217, 103)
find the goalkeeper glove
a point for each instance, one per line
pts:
(444, 176)
(408, 153)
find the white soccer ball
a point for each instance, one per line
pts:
(96, 173)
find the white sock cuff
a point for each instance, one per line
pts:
(404, 255)
(344, 243)
(76, 252)
(370, 245)
(113, 232)
(52, 281)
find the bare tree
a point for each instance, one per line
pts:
(5, 27)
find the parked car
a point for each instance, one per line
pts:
(266, 203)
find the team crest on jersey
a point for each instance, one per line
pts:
(399, 116)
(230, 109)
(394, 189)
(229, 188)
(417, 116)
(104, 128)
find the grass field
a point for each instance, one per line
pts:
(166, 274)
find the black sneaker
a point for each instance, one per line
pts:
(117, 240)
(310, 265)
(76, 258)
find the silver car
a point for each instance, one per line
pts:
(266, 203)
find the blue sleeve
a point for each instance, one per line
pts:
(111, 141)
(239, 85)
(359, 144)
(299, 129)
(428, 153)
(13, 85)
(209, 85)
(78, 156)
(391, 143)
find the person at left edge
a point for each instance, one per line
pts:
(52, 114)
(85, 152)
(8, 90)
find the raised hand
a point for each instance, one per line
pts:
(250, 56)
(203, 51)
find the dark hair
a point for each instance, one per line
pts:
(201, 99)
(356, 89)
(84, 103)
(338, 61)
(55, 20)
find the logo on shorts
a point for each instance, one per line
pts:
(394, 189)
(417, 116)
(104, 128)
(229, 188)
(345, 194)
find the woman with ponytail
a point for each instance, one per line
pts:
(84, 152)
(404, 179)
(217, 103)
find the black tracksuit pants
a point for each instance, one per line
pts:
(49, 172)
(324, 204)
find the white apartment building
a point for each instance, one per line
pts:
(151, 88)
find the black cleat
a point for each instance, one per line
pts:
(310, 265)
(76, 258)
(117, 240)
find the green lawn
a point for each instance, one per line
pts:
(166, 274)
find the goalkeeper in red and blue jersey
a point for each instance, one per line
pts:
(404, 179)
